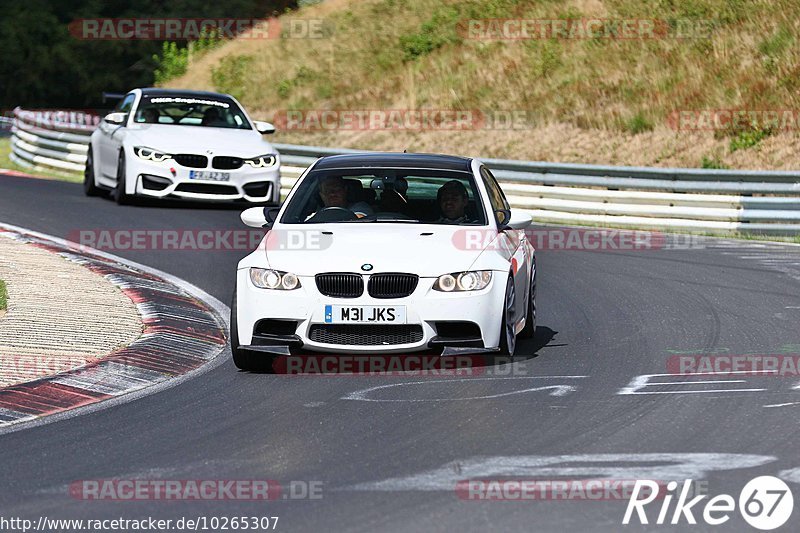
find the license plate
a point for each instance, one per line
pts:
(365, 314)
(209, 175)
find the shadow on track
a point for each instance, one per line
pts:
(544, 336)
(172, 203)
(313, 363)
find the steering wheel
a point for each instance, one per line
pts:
(332, 214)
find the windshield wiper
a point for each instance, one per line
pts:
(370, 219)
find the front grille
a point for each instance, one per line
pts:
(366, 334)
(340, 285)
(191, 160)
(205, 188)
(224, 162)
(392, 285)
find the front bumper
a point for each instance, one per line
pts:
(427, 311)
(157, 180)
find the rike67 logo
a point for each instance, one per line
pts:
(765, 503)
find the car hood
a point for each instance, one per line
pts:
(425, 250)
(198, 139)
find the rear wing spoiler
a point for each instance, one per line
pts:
(113, 97)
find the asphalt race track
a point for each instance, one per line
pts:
(605, 319)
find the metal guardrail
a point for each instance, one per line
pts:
(5, 126)
(713, 201)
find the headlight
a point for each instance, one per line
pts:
(262, 161)
(264, 278)
(149, 154)
(463, 281)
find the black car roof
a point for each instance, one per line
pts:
(155, 91)
(393, 159)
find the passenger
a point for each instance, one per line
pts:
(150, 115)
(453, 201)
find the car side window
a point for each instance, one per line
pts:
(496, 197)
(126, 104)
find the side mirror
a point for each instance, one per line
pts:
(272, 214)
(517, 219)
(260, 217)
(264, 128)
(116, 118)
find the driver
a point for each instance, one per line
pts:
(333, 192)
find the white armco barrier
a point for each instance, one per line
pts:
(712, 201)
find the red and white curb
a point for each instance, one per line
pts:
(185, 332)
(16, 173)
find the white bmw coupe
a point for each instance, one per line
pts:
(385, 254)
(195, 145)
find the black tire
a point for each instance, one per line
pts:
(90, 188)
(529, 331)
(508, 338)
(243, 359)
(119, 194)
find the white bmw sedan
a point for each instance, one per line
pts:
(386, 254)
(195, 145)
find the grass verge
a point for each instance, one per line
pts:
(587, 99)
(3, 296)
(6, 162)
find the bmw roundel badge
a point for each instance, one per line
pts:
(366, 267)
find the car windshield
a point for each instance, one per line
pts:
(203, 111)
(421, 196)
